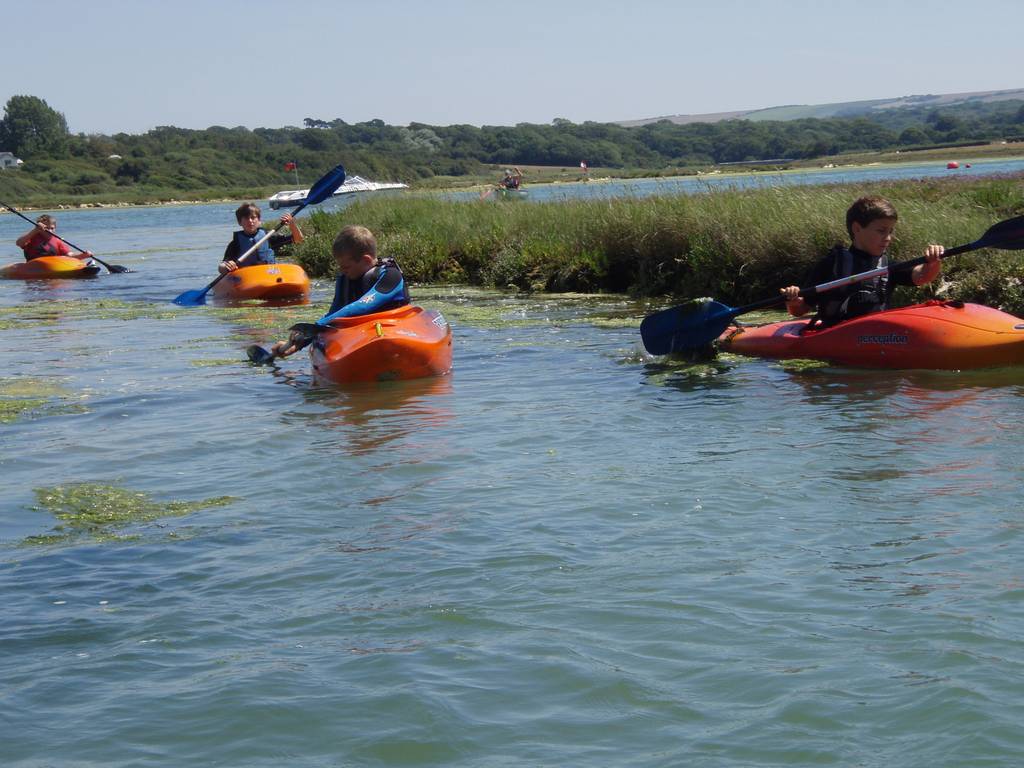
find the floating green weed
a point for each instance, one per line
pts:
(799, 366)
(29, 395)
(11, 409)
(215, 363)
(102, 511)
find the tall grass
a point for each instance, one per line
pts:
(735, 245)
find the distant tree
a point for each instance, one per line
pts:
(31, 127)
(913, 135)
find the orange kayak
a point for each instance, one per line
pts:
(49, 268)
(405, 343)
(942, 335)
(264, 281)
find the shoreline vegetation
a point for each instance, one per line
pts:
(734, 245)
(487, 179)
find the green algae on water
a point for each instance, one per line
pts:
(215, 363)
(799, 365)
(103, 511)
(33, 395)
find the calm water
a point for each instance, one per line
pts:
(696, 184)
(564, 554)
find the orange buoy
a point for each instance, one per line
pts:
(952, 164)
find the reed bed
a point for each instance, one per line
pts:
(735, 245)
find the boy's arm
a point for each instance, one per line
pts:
(25, 239)
(921, 274)
(294, 227)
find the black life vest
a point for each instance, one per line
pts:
(861, 298)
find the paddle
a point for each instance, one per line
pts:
(302, 334)
(112, 268)
(699, 322)
(319, 192)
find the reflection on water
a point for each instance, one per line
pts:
(385, 417)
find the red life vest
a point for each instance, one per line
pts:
(45, 244)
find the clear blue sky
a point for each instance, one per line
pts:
(130, 65)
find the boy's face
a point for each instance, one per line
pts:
(250, 223)
(874, 237)
(354, 267)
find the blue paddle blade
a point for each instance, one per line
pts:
(192, 298)
(325, 187)
(685, 327)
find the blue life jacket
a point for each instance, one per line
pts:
(381, 288)
(263, 255)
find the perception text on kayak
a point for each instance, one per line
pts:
(884, 338)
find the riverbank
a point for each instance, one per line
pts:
(735, 245)
(534, 176)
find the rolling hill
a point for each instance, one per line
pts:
(837, 109)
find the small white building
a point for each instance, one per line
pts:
(8, 160)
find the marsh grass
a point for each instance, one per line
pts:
(735, 245)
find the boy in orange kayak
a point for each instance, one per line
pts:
(41, 241)
(365, 284)
(248, 216)
(871, 222)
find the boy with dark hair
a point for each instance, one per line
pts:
(870, 221)
(248, 216)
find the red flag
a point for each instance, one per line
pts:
(289, 166)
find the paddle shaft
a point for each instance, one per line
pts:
(54, 234)
(860, 277)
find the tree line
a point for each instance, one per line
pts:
(169, 158)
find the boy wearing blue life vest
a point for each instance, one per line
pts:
(248, 216)
(870, 222)
(364, 283)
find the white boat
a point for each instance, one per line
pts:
(290, 198)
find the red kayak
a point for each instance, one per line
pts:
(405, 343)
(944, 335)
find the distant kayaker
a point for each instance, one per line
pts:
(870, 222)
(41, 241)
(513, 179)
(364, 284)
(248, 217)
